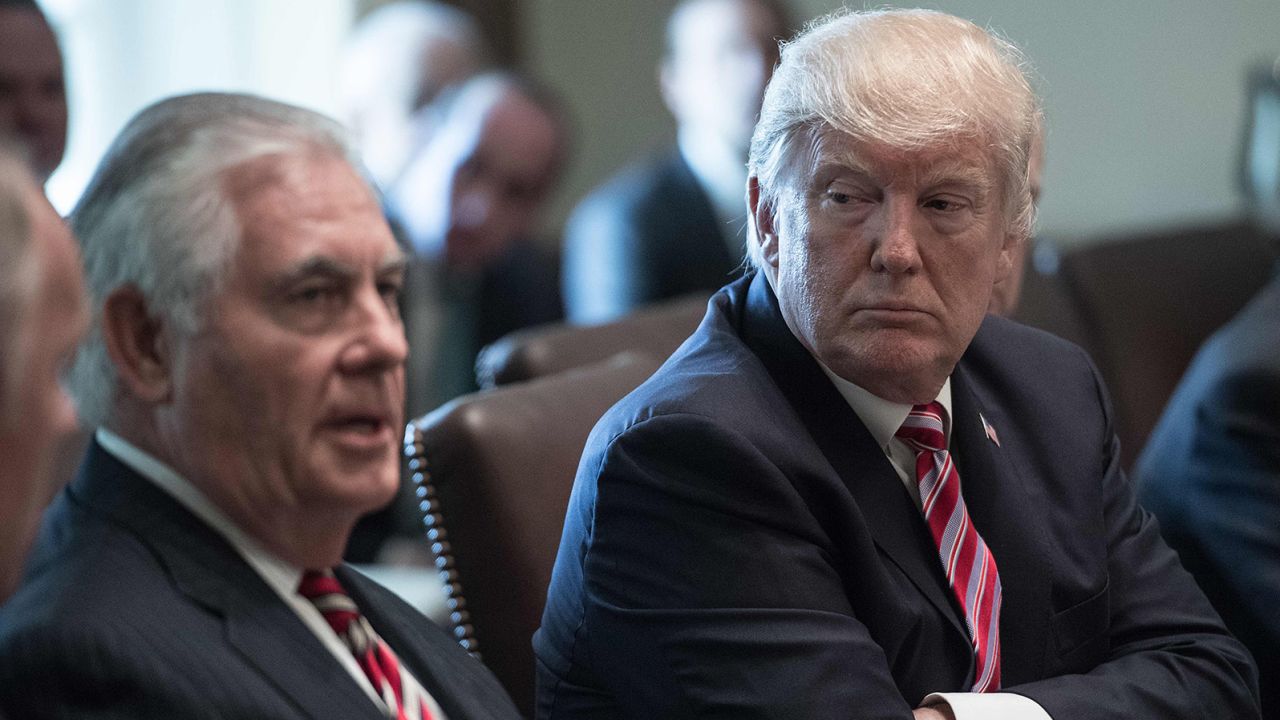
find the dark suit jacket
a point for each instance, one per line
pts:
(134, 608)
(1211, 474)
(738, 546)
(648, 234)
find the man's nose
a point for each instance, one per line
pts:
(475, 207)
(381, 343)
(897, 248)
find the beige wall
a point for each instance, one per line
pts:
(1144, 99)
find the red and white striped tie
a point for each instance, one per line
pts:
(404, 697)
(969, 565)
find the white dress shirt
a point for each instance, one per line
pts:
(883, 418)
(722, 175)
(279, 575)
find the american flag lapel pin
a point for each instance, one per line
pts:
(990, 431)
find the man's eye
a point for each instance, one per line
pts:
(390, 292)
(943, 204)
(839, 197)
(315, 294)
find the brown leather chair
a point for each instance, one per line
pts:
(494, 470)
(1046, 302)
(548, 349)
(1147, 302)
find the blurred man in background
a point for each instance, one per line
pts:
(42, 314)
(469, 202)
(396, 62)
(33, 100)
(1211, 468)
(673, 225)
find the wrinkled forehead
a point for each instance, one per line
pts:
(299, 205)
(964, 158)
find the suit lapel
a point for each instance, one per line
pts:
(258, 626)
(1009, 517)
(853, 453)
(461, 695)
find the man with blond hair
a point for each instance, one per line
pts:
(852, 493)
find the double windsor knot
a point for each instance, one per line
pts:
(404, 698)
(968, 563)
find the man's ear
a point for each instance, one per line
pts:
(1004, 261)
(138, 344)
(764, 221)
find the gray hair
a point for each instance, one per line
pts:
(907, 79)
(156, 214)
(18, 269)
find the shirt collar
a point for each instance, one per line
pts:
(883, 417)
(282, 576)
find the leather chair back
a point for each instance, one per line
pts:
(549, 349)
(494, 470)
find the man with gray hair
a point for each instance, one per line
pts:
(244, 371)
(42, 314)
(853, 494)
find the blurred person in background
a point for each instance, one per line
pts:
(396, 62)
(42, 315)
(33, 100)
(1211, 468)
(672, 225)
(469, 202)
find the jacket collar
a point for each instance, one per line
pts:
(208, 571)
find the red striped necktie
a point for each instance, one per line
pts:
(404, 697)
(969, 565)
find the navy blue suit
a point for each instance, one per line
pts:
(738, 546)
(648, 234)
(134, 608)
(1211, 474)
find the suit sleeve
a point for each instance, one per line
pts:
(1168, 654)
(606, 265)
(1235, 466)
(711, 594)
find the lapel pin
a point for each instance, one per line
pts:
(990, 431)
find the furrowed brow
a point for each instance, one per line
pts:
(318, 266)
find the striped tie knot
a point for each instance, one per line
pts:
(923, 428)
(402, 696)
(326, 593)
(966, 560)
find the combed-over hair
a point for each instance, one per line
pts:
(905, 79)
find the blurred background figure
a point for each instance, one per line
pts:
(469, 202)
(397, 61)
(42, 314)
(1007, 292)
(1211, 469)
(673, 224)
(33, 101)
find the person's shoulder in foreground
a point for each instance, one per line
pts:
(1211, 474)
(851, 493)
(245, 374)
